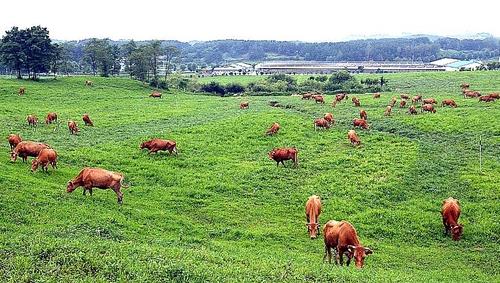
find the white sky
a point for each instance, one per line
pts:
(304, 20)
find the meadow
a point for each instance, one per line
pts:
(222, 211)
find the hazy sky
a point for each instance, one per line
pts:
(305, 20)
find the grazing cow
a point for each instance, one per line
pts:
(450, 212)
(402, 104)
(376, 95)
(416, 99)
(155, 94)
(363, 115)
(27, 148)
(412, 110)
(342, 237)
(156, 145)
(329, 118)
(86, 120)
(22, 90)
(393, 102)
(319, 98)
(313, 210)
(495, 95)
(404, 96)
(43, 159)
(360, 123)
(339, 97)
(428, 108)
(307, 96)
(388, 110)
(282, 154)
(273, 130)
(90, 178)
(429, 101)
(32, 120)
(14, 140)
(89, 83)
(244, 105)
(449, 102)
(464, 85)
(51, 118)
(73, 128)
(356, 102)
(321, 123)
(486, 98)
(353, 137)
(471, 94)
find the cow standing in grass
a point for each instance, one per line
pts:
(244, 105)
(404, 96)
(313, 210)
(156, 145)
(51, 118)
(356, 101)
(14, 140)
(32, 120)
(27, 148)
(155, 94)
(273, 129)
(428, 108)
(402, 104)
(22, 90)
(388, 110)
(343, 239)
(89, 83)
(353, 138)
(360, 123)
(412, 110)
(72, 127)
(45, 157)
(376, 95)
(86, 120)
(90, 178)
(282, 154)
(321, 123)
(319, 99)
(363, 115)
(450, 212)
(448, 102)
(429, 101)
(416, 98)
(329, 117)
(486, 98)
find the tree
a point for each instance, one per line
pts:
(171, 56)
(90, 54)
(139, 63)
(56, 59)
(116, 55)
(12, 50)
(127, 51)
(100, 55)
(39, 50)
(154, 52)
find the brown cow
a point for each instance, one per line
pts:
(156, 145)
(450, 212)
(416, 98)
(273, 130)
(313, 210)
(319, 98)
(89, 83)
(404, 96)
(471, 94)
(486, 98)
(393, 102)
(43, 159)
(339, 97)
(388, 110)
(353, 137)
(155, 94)
(282, 154)
(428, 108)
(321, 123)
(307, 96)
(27, 148)
(429, 101)
(244, 105)
(342, 237)
(22, 90)
(86, 120)
(412, 110)
(402, 104)
(376, 95)
(73, 128)
(90, 178)
(32, 120)
(356, 101)
(14, 140)
(51, 118)
(464, 85)
(449, 102)
(495, 95)
(360, 123)
(329, 118)
(363, 115)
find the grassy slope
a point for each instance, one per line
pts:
(222, 211)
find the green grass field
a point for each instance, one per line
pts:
(222, 211)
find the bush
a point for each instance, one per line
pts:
(311, 85)
(234, 88)
(213, 87)
(340, 77)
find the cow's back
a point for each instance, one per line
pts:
(347, 234)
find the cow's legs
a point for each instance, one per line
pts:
(348, 259)
(339, 256)
(328, 253)
(446, 228)
(119, 194)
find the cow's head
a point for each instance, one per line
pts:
(71, 187)
(271, 154)
(34, 165)
(143, 145)
(359, 253)
(456, 232)
(313, 230)
(13, 156)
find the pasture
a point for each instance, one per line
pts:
(222, 211)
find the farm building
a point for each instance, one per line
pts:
(233, 69)
(456, 65)
(309, 67)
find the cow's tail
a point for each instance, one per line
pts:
(121, 182)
